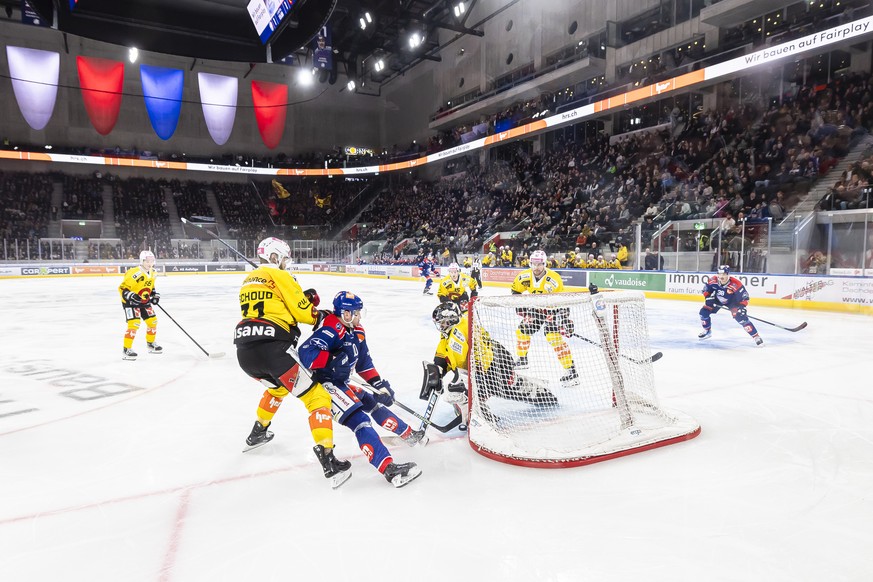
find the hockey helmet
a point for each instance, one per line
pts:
(445, 316)
(273, 246)
(454, 270)
(146, 255)
(723, 270)
(538, 261)
(346, 301)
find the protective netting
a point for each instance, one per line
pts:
(587, 391)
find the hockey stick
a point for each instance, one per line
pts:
(798, 328)
(208, 355)
(653, 358)
(424, 418)
(219, 239)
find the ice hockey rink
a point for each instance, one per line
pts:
(133, 471)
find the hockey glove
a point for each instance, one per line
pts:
(432, 381)
(131, 297)
(739, 312)
(384, 394)
(154, 298)
(320, 314)
(592, 288)
(313, 297)
(340, 366)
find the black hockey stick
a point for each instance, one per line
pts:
(451, 425)
(424, 418)
(208, 355)
(653, 358)
(219, 239)
(797, 328)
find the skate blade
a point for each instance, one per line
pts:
(403, 480)
(129, 358)
(252, 447)
(337, 480)
(396, 440)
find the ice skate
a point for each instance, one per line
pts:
(705, 334)
(571, 378)
(337, 471)
(155, 348)
(759, 341)
(258, 437)
(416, 437)
(400, 474)
(129, 354)
(522, 362)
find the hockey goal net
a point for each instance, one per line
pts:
(537, 413)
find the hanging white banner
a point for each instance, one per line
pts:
(218, 95)
(35, 83)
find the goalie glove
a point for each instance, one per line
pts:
(432, 381)
(384, 393)
(131, 297)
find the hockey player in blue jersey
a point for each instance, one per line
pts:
(428, 270)
(722, 290)
(332, 352)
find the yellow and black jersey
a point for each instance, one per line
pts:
(453, 349)
(527, 282)
(138, 280)
(269, 295)
(601, 264)
(449, 290)
(613, 264)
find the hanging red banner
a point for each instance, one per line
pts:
(101, 82)
(271, 106)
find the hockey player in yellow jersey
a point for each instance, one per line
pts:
(555, 322)
(490, 361)
(453, 287)
(138, 295)
(273, 305)
(614, 263)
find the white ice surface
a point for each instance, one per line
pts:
(150, 484)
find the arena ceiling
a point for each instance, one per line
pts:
(222, 30)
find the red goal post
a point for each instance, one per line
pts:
(529, 416)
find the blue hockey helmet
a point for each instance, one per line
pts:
(346, 301)
(723, 270)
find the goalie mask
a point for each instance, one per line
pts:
(446, 316)
(273, 246)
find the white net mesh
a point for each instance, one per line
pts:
(539, 413)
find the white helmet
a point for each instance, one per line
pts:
(454, 269)
(146, 254)
(538, 257)
(273, 246)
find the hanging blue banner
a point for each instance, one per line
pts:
(162, 90)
